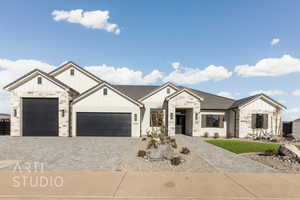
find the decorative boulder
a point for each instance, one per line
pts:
(290, 150)
(160, 153)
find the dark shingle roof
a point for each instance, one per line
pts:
(211, 101)
(136, 91)
(243, 101)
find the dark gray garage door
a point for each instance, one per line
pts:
(40, 117)
(103, 124)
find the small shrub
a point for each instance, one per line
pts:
(173, 143)
(175, 161)
(185, 150)
(271, 152)
(152, 144)
(162, 138)
(141, 153)
(216, 135)
(206, 134)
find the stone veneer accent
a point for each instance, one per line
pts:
(184, 100)
(63, 104)
(245, 121)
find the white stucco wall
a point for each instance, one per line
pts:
(31, 89)
(296, 128)
(80, 81)
(154, 101)
(211, 131)
(112, 102)
(255, 107)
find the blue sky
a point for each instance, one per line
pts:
(155, 38)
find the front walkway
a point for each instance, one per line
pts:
(221, 159)
(141, 185)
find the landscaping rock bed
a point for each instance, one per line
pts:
(281, 163)
(191, 162)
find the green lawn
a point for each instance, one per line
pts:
(238, 147)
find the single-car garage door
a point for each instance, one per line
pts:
(40, 116)
(103, 124)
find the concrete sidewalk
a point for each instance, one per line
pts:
(140, 185)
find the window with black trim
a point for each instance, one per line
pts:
(260, 121)
(156, 117)
(39, 80)
(15, 112)
(72, 72)
(105, 91)
(168, 91)
(212, 121)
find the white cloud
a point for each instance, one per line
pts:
(291, 114)
(268, 92)
(97, 19)
(124, 75)
(270, 67)
(296, 92)
(226, 94)
(185, 75)
(176, 65)
(274, 41)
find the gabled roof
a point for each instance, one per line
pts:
(70, 64)
(168, 84)
(210, 101)
(34, 73)
(105, 84)
(244, 101)
(184, 90)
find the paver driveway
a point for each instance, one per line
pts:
(221, 159)
(60, 153)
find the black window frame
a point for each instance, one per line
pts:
(72, 72)
(105, 92)
(39, 80)
(213, 121)
(156, 117)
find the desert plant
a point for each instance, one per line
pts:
(175, 160)
(216, 135)
(206, 134)
(141, 153)
(152, 144)
(271, 152)
(185, 150)
(173, 143)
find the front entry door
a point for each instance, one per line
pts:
(180, 124)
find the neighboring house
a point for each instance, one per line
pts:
(4, 116)
(71, 101)
(296, 127)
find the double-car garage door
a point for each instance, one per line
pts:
(40, 118)
(103, 124)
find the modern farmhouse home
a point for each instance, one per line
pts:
(71, 101)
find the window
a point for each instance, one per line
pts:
(63, 113)
(156, 117)
(168, 91)
(15, 112)
(196, 116)
(135, 117)
(260, 121)
(39, 80)
(72, 72)
(105, 91)
(212, 121)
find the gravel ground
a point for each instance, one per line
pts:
(65, 153)
(221, 159)
(275, 162)
(192, 162)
